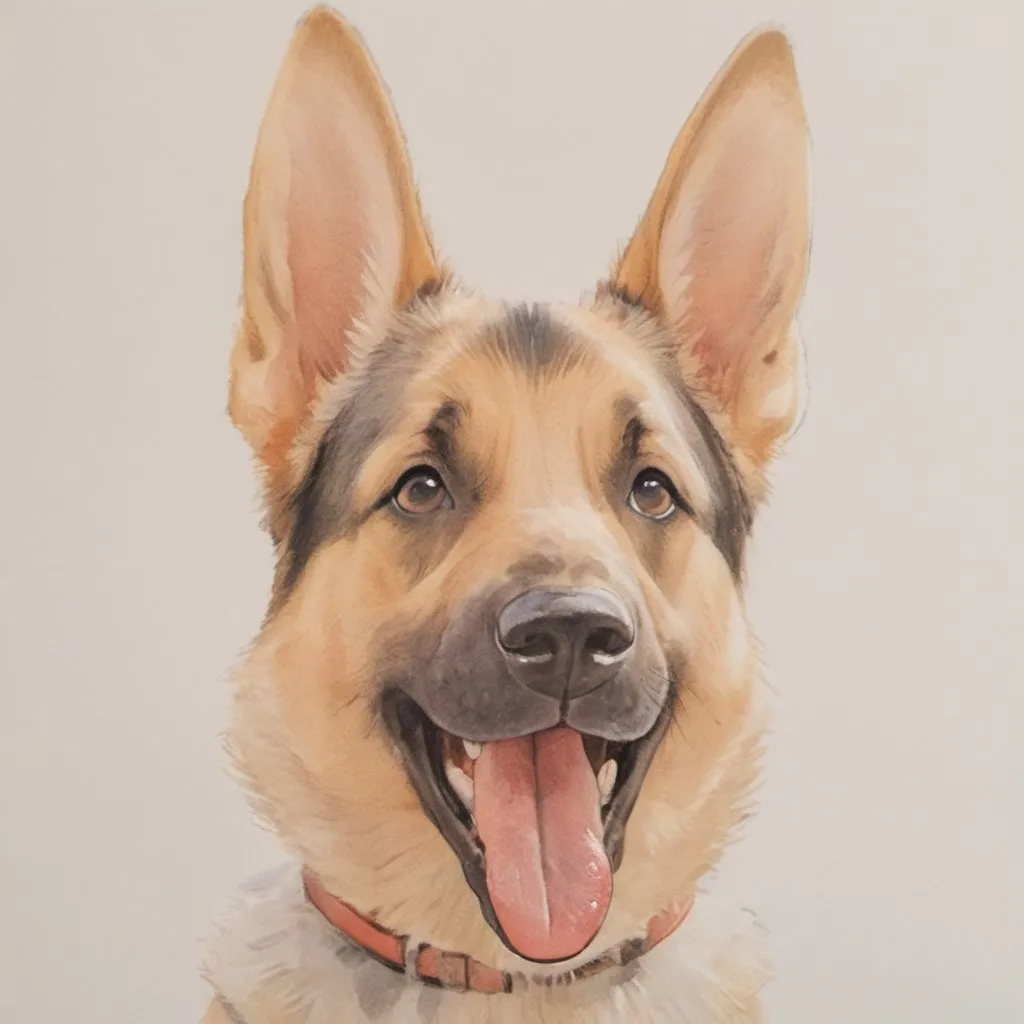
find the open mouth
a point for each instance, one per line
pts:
(537, 821)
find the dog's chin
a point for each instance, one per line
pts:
(545, 894)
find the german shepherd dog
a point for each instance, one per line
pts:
(504, 709)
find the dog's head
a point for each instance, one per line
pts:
(506, 689)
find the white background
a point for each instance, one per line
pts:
(886, 576)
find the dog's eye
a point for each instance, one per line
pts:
(652, 495)
(420, 491)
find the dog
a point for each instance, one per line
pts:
(505, 708)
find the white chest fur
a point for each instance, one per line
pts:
(274, 960)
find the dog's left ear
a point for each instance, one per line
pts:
(722, 250)
(333, 235)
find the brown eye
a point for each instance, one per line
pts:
(420, 491)
(652, 495)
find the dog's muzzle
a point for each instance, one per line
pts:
(512, 664)
(527, 736)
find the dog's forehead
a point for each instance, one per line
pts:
(418, 371)
(537, 362)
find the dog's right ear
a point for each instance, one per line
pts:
(333, 234)
(722, 251)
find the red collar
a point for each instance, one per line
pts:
(459, 971)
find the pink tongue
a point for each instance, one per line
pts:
(538, 814)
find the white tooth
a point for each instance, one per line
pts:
(473, 750)
(461, 783)
(606, 780)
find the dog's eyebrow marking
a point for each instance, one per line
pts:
(440, 433)
(632, 435)
(633, 438)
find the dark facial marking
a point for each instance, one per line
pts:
(536, 566)
(547, 566)
(322, 506)
(632, 432)
(440, 432)
(528, 337)
(732, 512)
(633, 437)
(729, 518)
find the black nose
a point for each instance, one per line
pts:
(565, 643)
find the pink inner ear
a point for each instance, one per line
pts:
(341, 227)
(327, 242)
(720, 266)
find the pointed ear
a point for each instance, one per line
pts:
(722, 250)
(333, 234)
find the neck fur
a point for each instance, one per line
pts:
(273, 959)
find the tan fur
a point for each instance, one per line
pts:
(303, 729)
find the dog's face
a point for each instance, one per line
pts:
(506, 689)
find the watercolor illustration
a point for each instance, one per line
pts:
(505, 710)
